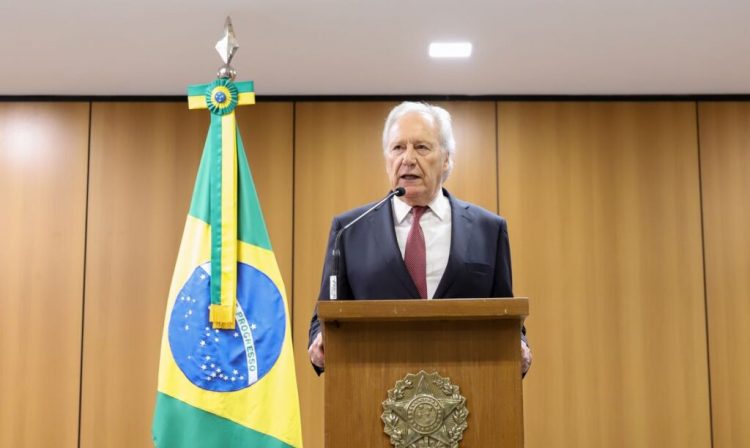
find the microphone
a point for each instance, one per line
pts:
(333, 287)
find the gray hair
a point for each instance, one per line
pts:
(440, 117)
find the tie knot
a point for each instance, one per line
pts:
(418, 211)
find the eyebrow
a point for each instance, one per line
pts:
(416, 142)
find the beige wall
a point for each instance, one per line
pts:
(626, 225)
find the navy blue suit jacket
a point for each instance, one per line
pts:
(371, 266)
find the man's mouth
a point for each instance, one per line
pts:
(409, 177)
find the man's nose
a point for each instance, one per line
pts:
(409, 155)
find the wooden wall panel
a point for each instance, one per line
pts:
(339, 165)
(144, 158)
(604, 215)
(43, 166)
(602, 203)
(725, 174)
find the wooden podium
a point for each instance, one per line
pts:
(371, 344)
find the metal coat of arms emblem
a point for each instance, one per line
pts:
(425, 410)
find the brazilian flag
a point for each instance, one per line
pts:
(226, 374)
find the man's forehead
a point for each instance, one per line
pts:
(417, 116)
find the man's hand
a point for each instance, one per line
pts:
(317, 354)
(525, 357)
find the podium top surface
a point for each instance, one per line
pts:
(445, 309)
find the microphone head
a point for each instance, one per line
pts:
(400, 191)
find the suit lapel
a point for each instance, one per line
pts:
(384, 233)
(461, 231)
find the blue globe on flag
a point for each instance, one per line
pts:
(227, 360)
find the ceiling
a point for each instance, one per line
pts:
(356, 47)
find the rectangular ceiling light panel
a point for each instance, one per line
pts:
(450, 49)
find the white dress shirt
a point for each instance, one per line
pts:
(436, 226)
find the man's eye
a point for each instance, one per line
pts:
(398, 148)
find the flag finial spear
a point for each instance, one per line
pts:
(227, 47)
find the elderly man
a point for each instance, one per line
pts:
(425, 244)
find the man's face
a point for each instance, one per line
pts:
(414, 159)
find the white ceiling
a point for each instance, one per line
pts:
(377, 47)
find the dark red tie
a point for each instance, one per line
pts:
(414, 255)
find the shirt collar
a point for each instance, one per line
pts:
(440, 207)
